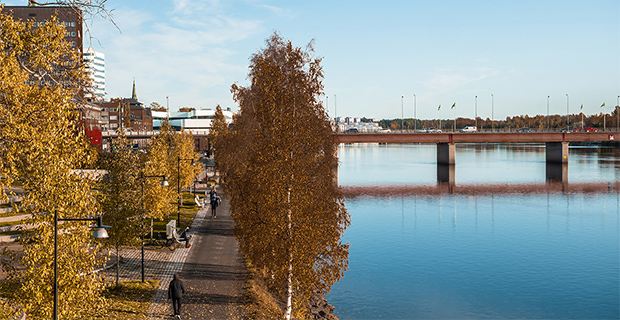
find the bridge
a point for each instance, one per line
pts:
(556, 144)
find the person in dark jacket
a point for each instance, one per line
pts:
(215, 200)
(175, 292)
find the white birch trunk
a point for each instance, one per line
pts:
(289, 278)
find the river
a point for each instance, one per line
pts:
(549, 255)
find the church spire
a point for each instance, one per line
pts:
(133, 93)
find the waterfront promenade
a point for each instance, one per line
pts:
(212, 271)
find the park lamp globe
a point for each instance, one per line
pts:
(164, 182)
(100, 231)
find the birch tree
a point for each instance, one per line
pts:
(289, 216)
(120, 195)
(41, 146)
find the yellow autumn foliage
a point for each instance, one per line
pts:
(41, 78)
(277, 165)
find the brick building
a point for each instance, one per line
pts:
(69, 17)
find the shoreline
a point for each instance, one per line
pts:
(480, 189)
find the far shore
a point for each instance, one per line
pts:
(480, 189)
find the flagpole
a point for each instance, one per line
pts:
(439, 116)
(604, 115)
(581, 116)
(454, 125)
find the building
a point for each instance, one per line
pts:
(198, 122)
(193, 121)
(94, 65)
(127, 113)
(69, 17)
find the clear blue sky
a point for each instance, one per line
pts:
(375, 52)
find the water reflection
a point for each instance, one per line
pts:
(557, 172)
(398, 164)
(552, 256)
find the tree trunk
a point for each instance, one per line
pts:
(118, 265)
(289, 278)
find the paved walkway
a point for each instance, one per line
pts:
(212, 271)
(214, 276)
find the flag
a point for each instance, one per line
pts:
(453, 105)
(581, 107)
(603, 104)
(439, 107)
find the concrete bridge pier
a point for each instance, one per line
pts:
(557, 152)
(445, 174)
(557, 172)
(446, 164)
(446, 153)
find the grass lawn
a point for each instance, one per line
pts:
(130, 300)
(188, 212)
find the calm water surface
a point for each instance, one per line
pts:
(397, 164)
(547, 256)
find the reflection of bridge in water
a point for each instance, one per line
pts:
(556, 145)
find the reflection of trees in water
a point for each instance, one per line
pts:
(477, 189)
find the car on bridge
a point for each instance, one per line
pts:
(524, 129)
(569, 129)
(469, 129)
(590, 129)
(428, 130)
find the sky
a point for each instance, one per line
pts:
(512, 55)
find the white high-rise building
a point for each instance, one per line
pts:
(94, 64)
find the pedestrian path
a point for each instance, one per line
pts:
(214, 274)
(159, 264)
(160, 308)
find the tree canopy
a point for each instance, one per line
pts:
(41, 147)
(277, 164)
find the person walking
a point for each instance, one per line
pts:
(215, 200)
(175, 292)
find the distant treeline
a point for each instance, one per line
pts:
(536, 122)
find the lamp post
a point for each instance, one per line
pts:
(180, 198)
(567, 112)
(402, 113)
(476, 112)
(164, 182)
(99, 233)
(618, 113)
(336, 110)
(492, 112)
(415, 121)
(548, 125)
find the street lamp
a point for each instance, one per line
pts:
(164, 182)
(492, 112)
(548, 125)
(98, 233)
(402, 113)
(567, 112)
(180, 198)
(476, 112)
(415, 121)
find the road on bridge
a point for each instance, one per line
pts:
(477, 137)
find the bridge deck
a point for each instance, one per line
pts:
(475, 137)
